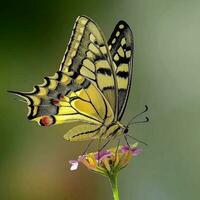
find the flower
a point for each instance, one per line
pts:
(107, 162)
(134, 151)
(74, 165)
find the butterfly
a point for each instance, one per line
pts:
(91, 86)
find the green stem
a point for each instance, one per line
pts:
(114, 185)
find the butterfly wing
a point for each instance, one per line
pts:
(87, 54)
(85, 132)
(85, 89)
(63, 98)
(121, 49)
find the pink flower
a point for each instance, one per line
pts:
(135, 151)
(74, 164)
(103, 154)
(108, 161)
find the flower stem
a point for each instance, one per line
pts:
(114, 185)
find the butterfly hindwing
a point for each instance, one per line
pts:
(67, 98)
(85, 132)
(87, 54)
(121, 49)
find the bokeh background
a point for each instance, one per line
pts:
(34, 160)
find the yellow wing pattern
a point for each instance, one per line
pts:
(121, 48)
(67, 98)
(88, 55)
(85, 132)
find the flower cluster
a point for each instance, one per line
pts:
(107, 162)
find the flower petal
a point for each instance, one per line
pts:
(125, 148)
(136, 151)
(74, 165)
(103, 154)
(106, 164)
(133, 149)
(80, 158)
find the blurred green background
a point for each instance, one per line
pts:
(34, 160)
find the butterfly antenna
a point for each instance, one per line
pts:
(140, 122)
(138, 140)
(145, 110)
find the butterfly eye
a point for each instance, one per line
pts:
(47, 121)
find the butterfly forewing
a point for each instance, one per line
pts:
(88, 55)
(121, 49)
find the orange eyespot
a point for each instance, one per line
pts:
(47, 121)
(55, 101)
(61, 97)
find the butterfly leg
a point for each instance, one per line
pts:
(136, 139)
(126, 139)
(105, 144)
(118, 143)
(108, 141)
(87, 147)
(99, 143)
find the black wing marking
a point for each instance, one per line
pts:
(121, 47)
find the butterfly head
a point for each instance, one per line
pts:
(122, 128)
(126, 130)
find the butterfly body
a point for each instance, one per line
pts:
(91, 86)
(114, 129)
